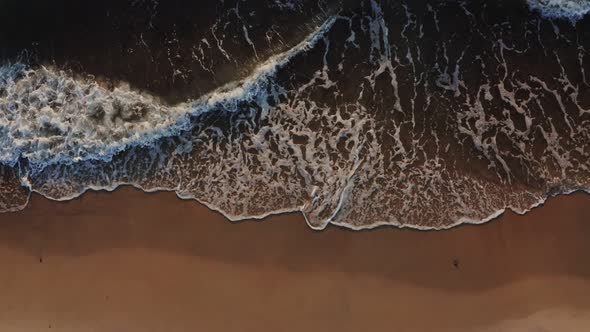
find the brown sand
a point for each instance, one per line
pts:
(130, 261)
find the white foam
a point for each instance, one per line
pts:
(49, 117)
(355, 169)
(572, 10)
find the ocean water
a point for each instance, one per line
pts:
(423, 114)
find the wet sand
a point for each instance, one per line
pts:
(131, 261)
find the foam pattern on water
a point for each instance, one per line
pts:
(373, 119)
(47, 116)
(573, 10)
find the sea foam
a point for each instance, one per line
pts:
(359, 126)
(572, 10)
(47, 116)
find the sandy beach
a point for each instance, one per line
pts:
(131, 261)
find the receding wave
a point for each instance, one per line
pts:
(388, 113)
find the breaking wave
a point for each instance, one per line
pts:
(49, 117)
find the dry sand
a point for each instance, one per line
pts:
(131, 261)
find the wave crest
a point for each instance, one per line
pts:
(47, 116)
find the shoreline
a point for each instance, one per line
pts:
(135, 261)
(236, 219)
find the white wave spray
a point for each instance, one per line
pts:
(572, 10)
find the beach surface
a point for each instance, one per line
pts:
(134, 261)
